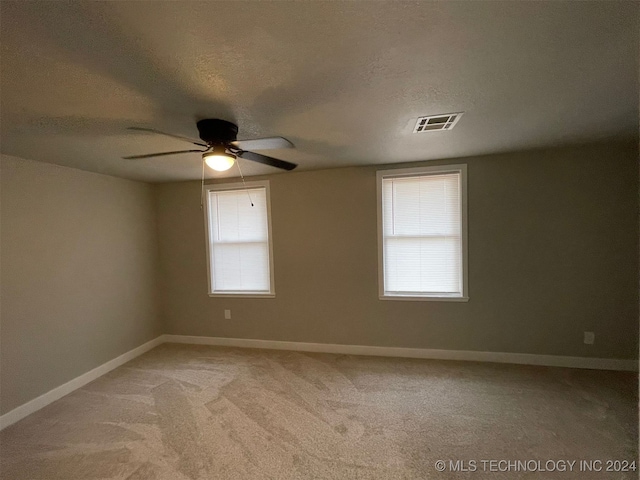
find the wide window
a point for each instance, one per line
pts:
(239, 239)
(422, 233)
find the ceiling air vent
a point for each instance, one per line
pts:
(433, 123)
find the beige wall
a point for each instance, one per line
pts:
(553, 252)
(79, 270)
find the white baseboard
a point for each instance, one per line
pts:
(45, 399)
(36, 404)
(466, 355)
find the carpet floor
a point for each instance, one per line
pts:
(185, 412)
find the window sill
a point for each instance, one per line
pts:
(423, 299)
(243, 295)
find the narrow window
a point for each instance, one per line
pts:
(422, 233)
(239, 247)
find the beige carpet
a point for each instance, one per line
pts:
(197, 412)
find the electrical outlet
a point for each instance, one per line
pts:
(589, 338)
(227, 314)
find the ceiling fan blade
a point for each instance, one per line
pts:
(273, 162)
(270, 143)
(161, 154)
(179, 137)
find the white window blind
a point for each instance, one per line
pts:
(239, 248)
(422, 234)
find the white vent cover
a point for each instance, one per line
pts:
(433, 123)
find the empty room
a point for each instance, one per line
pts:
(319, 240)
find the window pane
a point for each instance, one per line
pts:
(427, 264)
(235, 219)
(241, 267)
(427, 205)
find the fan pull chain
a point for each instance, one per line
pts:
(202, 187)
(243, 184)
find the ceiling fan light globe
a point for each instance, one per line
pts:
(218, 162)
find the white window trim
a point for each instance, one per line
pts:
(217, 187)
(408, 172)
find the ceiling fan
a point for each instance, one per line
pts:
(221, 147)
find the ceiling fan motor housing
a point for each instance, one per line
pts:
(217, 132)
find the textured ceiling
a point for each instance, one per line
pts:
(344, 81)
